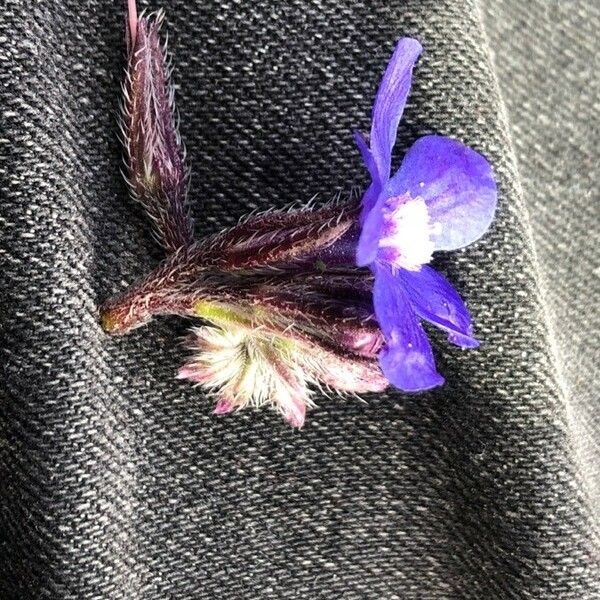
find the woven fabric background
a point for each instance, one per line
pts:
(117, 483)
(547, 58)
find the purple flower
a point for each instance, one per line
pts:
(284, 309)
(442, 197)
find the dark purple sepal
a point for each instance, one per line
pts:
(156, 171)
(281, 239)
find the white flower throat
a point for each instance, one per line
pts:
(406, 241)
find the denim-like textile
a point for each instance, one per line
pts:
(546, 57)
(116, 481)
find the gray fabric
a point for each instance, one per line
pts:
(546, 57)
(116, 480)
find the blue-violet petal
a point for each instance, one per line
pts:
(370, 196)
(370, 233)
(457, 185)
(389, 103)
(436, 301)
(407, 359)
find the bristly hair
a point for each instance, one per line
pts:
(155, 155)
(244, 366)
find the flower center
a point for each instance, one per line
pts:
(405, 241)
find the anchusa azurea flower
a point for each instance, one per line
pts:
(442, 197)
(293, 301)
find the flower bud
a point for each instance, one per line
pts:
(155, 155)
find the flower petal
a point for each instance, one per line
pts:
(367, 156)
(370, 196)
(436, 301)
(407, 359)
(389, 103)
(457, 185)
(370, 233)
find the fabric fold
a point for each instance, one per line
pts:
(117, 481)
